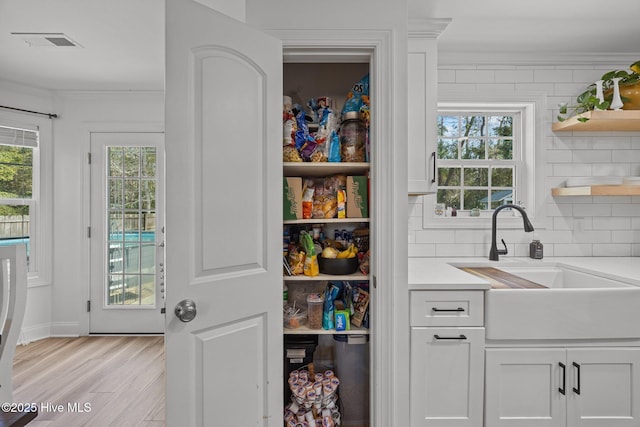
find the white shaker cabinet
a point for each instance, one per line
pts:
(557, 387)
(447, 362)
(423, 100)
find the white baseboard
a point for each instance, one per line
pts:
(34, 333)
(65, 329)
(46, 330)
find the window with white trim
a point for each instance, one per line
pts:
(25, 190)
(17, 147)
(487, 156)
(478, 159)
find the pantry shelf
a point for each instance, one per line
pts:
(608, 120)
(320, 169)
(326, 277)
(304, 330)
(325, 221)
(597, 190)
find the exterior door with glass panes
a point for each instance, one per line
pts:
(126, 233)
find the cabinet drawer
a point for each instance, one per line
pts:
(447, 308)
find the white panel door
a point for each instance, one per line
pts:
(605, 387)
(446, 377)
(523, 387)
(223, 233)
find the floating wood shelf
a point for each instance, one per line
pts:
(598, 190)
(620, 120)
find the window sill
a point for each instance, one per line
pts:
(468, 222)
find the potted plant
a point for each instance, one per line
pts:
(629, 83)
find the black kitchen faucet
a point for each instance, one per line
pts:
(493, 254)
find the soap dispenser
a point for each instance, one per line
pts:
(535, 249)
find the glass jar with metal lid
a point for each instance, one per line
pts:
(352, 137)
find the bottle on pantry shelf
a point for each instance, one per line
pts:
(315, 305)
(352, 137)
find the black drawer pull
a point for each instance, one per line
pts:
(436, 309)
(577, 390)
(564, 378)
(460, 337)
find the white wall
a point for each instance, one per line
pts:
(81, 113)
(575, 226)
(58, 308)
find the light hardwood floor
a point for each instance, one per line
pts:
(120, 379)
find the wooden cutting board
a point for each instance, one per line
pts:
(501, 279)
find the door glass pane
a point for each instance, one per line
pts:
(131, 226)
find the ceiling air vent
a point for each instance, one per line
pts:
(47, 39)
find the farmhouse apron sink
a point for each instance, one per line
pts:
(551, 302)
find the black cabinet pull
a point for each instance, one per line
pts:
(577, 366)
(433, 155)
(564, 378)
(459, 337)
(436, 309)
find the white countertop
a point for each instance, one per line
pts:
(440, 273)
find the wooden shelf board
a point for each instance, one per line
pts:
(609, 120)
(326, 221)
(598, 190)
(358, 276)
(306, 331)
(319, 169)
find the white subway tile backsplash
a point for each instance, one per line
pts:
(446, 76)
(612, 250)
(473, 236)
(535, 87)
(591, 156)
(560, 156)
(611, 223)
(609, 143)
(453, 250)
(514, 76)
(422, 250)
(560, 209)
(592, 209)
(562, 223)
(611, 169)
(626, 156)
(559, 236)
(575, 226)
(625, 236)
(552, 76)
(584, 249)
(475, 76)
(626, 210)
(587, 76)
(571, 170)
(435, 236)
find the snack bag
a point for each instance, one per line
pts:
(333, 152)
(360, 305)
(304, 142)
(358, 99)
(329, 306)
(311, 260)
(342, 320)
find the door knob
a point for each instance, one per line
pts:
(186, 310)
